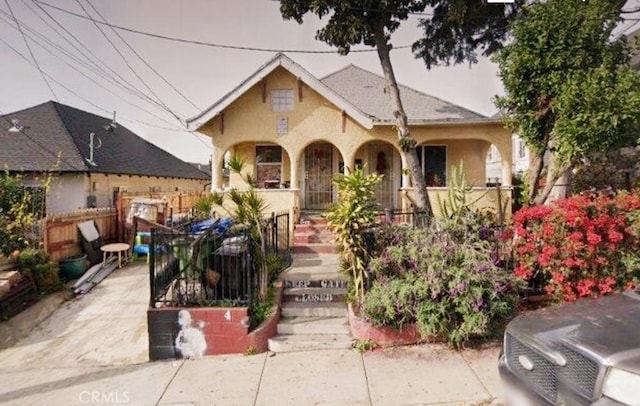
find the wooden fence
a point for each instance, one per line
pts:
(60, 232)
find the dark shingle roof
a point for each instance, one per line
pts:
(52, 128)
(366, 91)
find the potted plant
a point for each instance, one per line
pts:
(73, 267)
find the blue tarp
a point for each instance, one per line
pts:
(221, 227)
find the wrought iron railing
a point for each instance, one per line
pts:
(417, 218)
(200, 269)
(277, 236)
(211, 267)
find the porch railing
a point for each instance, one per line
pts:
(416, 218)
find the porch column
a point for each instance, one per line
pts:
(295, 170)
(349, 161)
(506, 154)
(217, 158)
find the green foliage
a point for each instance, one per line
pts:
(456, 206)
(204, 205)
(569, 88)
(263, 308)
(351, 218)
(37, 264)
(364, 345)
(248, 209)
(443, 278)
(15, 215)
(453, 30)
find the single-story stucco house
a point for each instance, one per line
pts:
(296, 132)
(57, 139)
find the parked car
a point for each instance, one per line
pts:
(581, 353)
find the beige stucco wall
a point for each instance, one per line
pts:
(102, 185)
(248, 121)
(485, 199)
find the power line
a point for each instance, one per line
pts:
(79, 62)
(143, 60)
(30, 51)
(124, 59)
(113, 76)
(208, 44)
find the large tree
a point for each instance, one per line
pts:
(569, 88)
(453, 30)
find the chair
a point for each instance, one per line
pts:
(91, 241)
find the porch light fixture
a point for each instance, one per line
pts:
(16, 127)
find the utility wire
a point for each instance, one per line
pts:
(53, 45)
(79, 96)
(30, 51)
(124, 59)
(208, 44)
(143, 60)
(113, 76)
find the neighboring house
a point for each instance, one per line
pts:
(520, 160)
(295, 132)
(55, 138)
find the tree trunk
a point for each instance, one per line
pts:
(536, 163)
(553, 174)
(407, 144)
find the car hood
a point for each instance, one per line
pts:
(607, 329)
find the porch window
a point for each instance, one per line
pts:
(282, 100)
(433, 161)
(268, 166)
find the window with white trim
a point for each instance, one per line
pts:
(522, 149)
(282, 100)
(268, 166)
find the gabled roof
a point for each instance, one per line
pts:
(360, 93)
(367, 91)
(52, 128)
(296, 70)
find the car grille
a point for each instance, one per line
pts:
(542, 378)
(580, 373)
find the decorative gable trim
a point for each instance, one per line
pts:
(296, 70)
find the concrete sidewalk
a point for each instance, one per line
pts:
(93, 350)
(425, 375)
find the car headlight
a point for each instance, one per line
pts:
(622, 386)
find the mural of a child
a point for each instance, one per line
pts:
(190, 341)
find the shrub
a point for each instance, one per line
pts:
(582, 246)
(443, 278)
(350, 219)
(37, 264)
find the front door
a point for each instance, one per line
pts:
(318, 161)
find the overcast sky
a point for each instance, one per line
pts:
(203, 74)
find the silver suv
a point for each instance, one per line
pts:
(581, 353)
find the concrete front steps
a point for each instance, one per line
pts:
(313, 236)
(314, 314)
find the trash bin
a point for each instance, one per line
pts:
(230, 260)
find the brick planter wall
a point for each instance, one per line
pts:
(383, 336)
(207, 331)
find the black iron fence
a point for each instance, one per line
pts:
(212, 266)
(417, 218)
(201, 269)
(278, 238)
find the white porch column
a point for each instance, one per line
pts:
(217, 159)
(506, 153)
(295, 170)
(349, 161)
